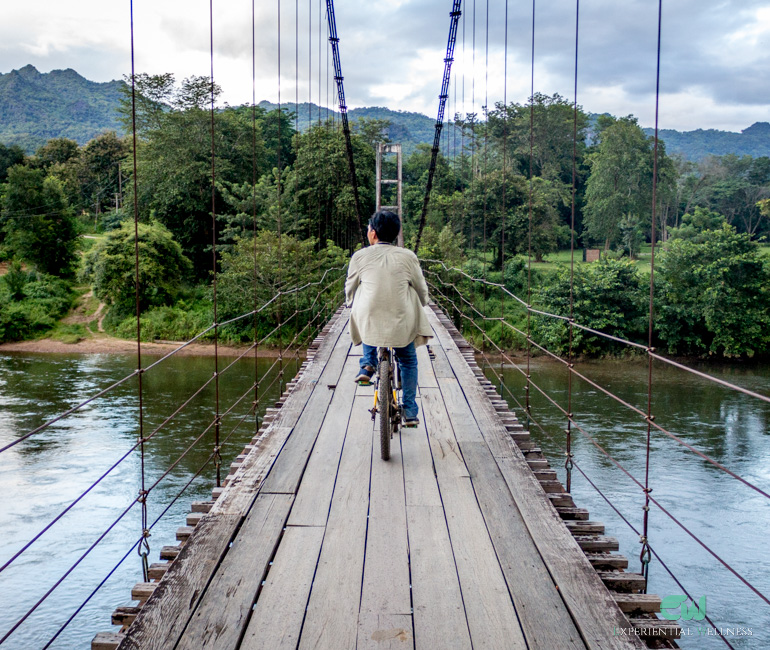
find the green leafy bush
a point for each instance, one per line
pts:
(44, 300)
(608, 296)
(713, 295)
(110, 267)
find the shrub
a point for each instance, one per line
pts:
(608, 296)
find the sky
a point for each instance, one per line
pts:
(715, 54)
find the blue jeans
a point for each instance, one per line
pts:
(407, 366)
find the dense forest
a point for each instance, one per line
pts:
(496, 189)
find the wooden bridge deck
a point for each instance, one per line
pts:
(317, 543)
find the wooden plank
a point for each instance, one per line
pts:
(489, 609)
(425, 375)
(529, 583)
(311, 507)
(439, 613)
(240, 492)
(647, 603)
(290, 464)
(386, 568)
(420, 485)
(331, 621)
(277, 619)
(165, 615)
(106, 641)
(219, 620)
(384, 632)
(590, 603)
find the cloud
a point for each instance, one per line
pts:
(713, 68)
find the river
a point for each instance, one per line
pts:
(41, 476)
(730, 518)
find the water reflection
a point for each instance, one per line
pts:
(44, 474)
(730, 518)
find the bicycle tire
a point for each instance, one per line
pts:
(383, 402)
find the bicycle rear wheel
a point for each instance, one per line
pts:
(383, 405)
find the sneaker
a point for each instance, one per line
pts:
(365, 376)
(411, 423)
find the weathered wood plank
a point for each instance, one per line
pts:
(425, 375)
(331, 621)
(384, 632)
(386, 568)
(439, 613)
(420, 485)
(311, 507)
(164, 616)
(277, 619)
(488, 606)
(237, 497)
(529, 583)
(290, 464)
(589, 601)
(219, 620)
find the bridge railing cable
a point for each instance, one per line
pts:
(449, 287)
(322, 293)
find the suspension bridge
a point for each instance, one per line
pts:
(466, 538)
(463, 539)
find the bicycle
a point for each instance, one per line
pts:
(387, 399)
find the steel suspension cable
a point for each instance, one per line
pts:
(338, 78)
(144, 549)
(454, 16)
(218, 458)
(254, 204)
(529, 229)
(644, 555)
(568, 453)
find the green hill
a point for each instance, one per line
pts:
(408, 128)
(696, 145)
(35, 107)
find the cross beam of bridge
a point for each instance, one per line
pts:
(317, 543)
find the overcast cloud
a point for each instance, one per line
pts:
(714, 71)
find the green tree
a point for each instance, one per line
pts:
(323, 190)
(609, 296)
(256, 270)
(38, 222)
(110, 267)
(56, 151)
(695, 224)
(618, 184)
(714, 295)
(10, 156)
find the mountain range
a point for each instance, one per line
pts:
(35, 107)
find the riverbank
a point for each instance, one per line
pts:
(109, 345)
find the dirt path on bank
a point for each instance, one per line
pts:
(109, 345)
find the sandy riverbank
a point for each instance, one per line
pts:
(110, 345)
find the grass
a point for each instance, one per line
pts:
(71, 333)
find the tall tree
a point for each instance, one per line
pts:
(39, 224)
(620, 184)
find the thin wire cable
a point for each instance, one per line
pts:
(145, 547)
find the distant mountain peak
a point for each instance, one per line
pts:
(758, 128)
(35, 107)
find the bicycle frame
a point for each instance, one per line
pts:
(396, 401)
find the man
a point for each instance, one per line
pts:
(387, 291)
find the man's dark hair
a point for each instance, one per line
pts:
(386, 225)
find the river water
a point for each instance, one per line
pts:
(41, 476)
(44, 474)
(730, 518)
